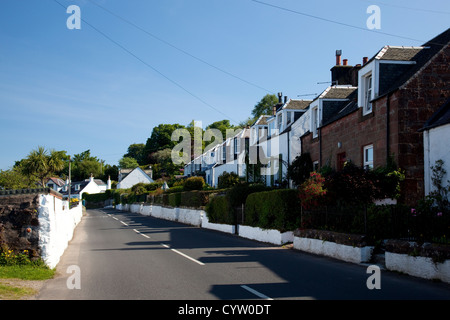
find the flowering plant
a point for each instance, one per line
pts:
(312, 190)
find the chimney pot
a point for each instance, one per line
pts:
(280, 96)
(274, 110)
(345, 62)
(285, 99)
(338, 57)
(365, 59)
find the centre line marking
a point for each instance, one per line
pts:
(123, 223)
(256, 293)
(144, 235)
(182, 254)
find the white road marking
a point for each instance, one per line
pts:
(123, 223)
(115, 218)
(256, 293)
(187, 257)
(144, 235)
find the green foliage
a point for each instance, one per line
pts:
(12, 258)
(128, 163)
(276, 209)
(264, 106)
(219, 211)
(160, 138)
(42, 164)
(299, 170)
(227, 180)
(194, 183)
(137, 152)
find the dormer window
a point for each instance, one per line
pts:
(367, 89)
(315, 121)
(77, 187)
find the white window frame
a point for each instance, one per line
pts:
(368, 93)
(366, 162)
(315, 120)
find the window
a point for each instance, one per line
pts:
(77, 187)
(288, 117)
(367, 94)
(224, 152)
(280, 120)
(315, 121)
(368, 157)
(316, 165)
(237, 145)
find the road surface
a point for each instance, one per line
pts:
(120, 255)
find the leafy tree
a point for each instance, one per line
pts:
(137, 151)
(299, 170)
(42, 164)
(83, 165)
(264, 106)
(222, 125)
(14, 179)
(128, 163)
(161, 139)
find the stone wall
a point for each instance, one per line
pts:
(19, 225)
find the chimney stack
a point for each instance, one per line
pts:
(280, 97)
(345, 62)
(338, 57)
(285, 99)
(274, 110)
(365, 59)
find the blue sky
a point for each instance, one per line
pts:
(75, 90)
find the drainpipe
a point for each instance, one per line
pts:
(388, 110)
(320, 146)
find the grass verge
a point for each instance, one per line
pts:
(27, 273)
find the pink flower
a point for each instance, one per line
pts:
(439, 214)
(413, 212)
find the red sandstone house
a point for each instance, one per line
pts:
(398, 90)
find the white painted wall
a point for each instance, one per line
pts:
(436, 146)
(334, 250)
(56, 227)
(422, 267)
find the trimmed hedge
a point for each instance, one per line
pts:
(277, 209)
(219, 210)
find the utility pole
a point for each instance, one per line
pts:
(70, 179)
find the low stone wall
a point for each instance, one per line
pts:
(266, 235)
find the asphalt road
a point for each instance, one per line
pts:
(119, 255)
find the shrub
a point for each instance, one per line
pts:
(276, 209)
(227, 180)
(218, 210)
(312, 190)
(174, 199)
(194, 183)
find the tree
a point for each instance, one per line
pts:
(264, 106)
(14, 179)
(299, 170)
(222, 125)
(128, 163)
(161, 139)
(42, 164)
(137, 151)
(83, 165)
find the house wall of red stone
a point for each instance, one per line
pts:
(409, 108)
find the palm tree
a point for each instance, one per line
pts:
(42, 165)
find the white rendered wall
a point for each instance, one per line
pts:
(56, 226)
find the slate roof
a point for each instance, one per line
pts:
(415, 54)
(337, 92)
(297, 104)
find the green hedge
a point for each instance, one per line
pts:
(219, 210)
(277, 209)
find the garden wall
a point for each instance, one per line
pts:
(38, 221)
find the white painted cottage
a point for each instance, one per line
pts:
(130, 177)
(436, 133)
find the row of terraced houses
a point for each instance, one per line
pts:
(395, 104)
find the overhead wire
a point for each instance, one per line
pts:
(150, 66)
(335, 22)
(178, 48)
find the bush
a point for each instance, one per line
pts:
(194, 183)
(218, 210)
(277, 209)
(227, 180)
